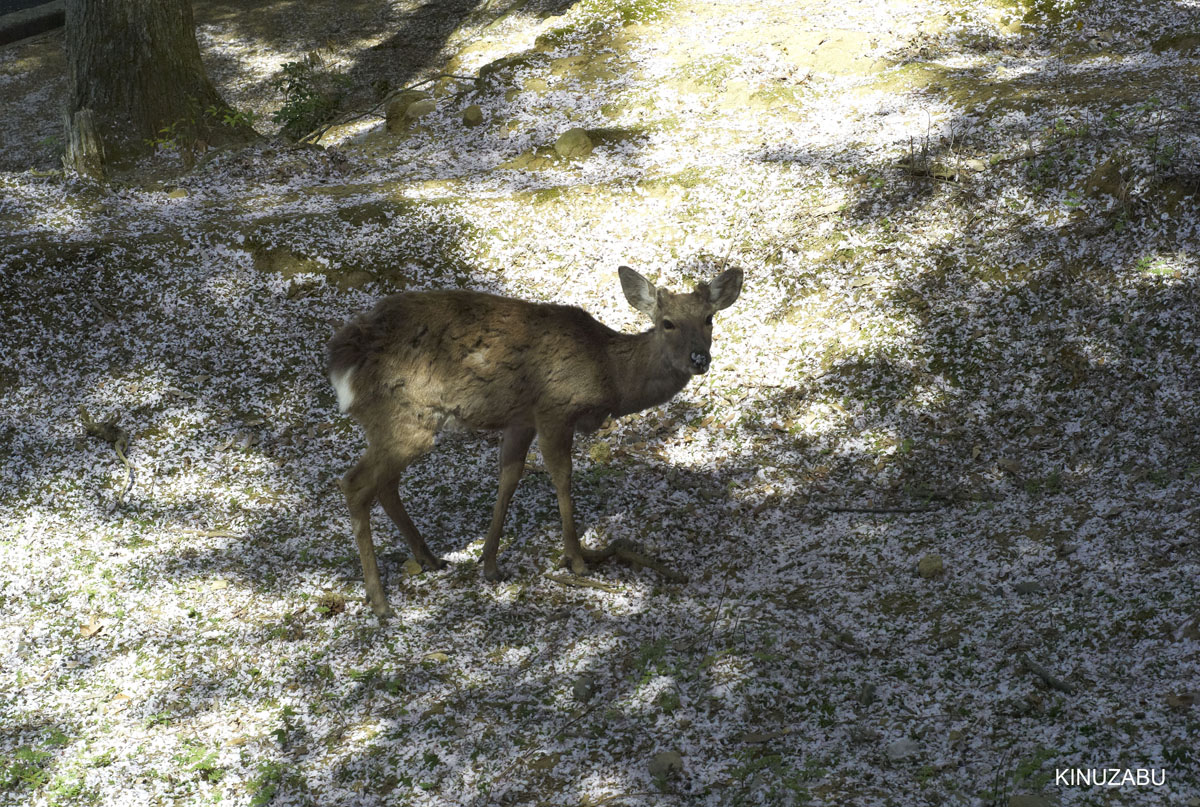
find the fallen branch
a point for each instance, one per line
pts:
(1044, 674)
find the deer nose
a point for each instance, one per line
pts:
(700, 360)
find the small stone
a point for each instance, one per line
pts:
(866, 695)
(930, 566)
(901, 749)
(573, 144)
(178, 193)
(666, 764)
(411, 567)
(472, 115)
(1028, 587)
(436, 709)
(1009, 465)
(863, 735)
(547, 762)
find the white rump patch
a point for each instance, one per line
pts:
(341, 385)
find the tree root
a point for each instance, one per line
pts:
(118, 438)
(627, 552)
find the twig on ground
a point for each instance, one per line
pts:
(316, 134)
(581, 582)
(1044, 674)
(118, 438)
(841, 638)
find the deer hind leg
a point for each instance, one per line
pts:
(406, 439)
(555, 442)
(359, 485)
(389, 497)
(514, 445)
(375, 477)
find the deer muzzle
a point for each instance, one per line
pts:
(700, 361)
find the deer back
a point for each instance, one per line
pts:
(486, 361)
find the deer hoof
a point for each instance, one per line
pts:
(433, 563)
(577, 565)
(383, 610)
(493, 574)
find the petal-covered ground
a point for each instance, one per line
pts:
(936, 499)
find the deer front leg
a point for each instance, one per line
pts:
(514, 445)
(555, 442)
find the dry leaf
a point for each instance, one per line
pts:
(93, 626)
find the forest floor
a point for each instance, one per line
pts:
(937, 498)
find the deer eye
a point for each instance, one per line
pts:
(708, 320)
(670, 326)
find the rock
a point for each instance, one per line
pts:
(419, 109)
(411, 567)
(574, 144)
(1108, 179)
(584, 687)
(930, 566)
(398, 109)
(1027, 800)
(178, 193)
(472, 115)
(866, 695)
(902, 749)
(354, 279)
(666, 764)
(1028, 587)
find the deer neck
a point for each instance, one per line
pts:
(641, 373)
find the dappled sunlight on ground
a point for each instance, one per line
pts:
(936, 497)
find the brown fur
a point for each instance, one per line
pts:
(420, 360)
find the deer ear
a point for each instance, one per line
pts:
(723, 290)
(639, 291)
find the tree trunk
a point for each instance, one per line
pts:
(136, 81)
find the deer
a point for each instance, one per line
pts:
(423, 360)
